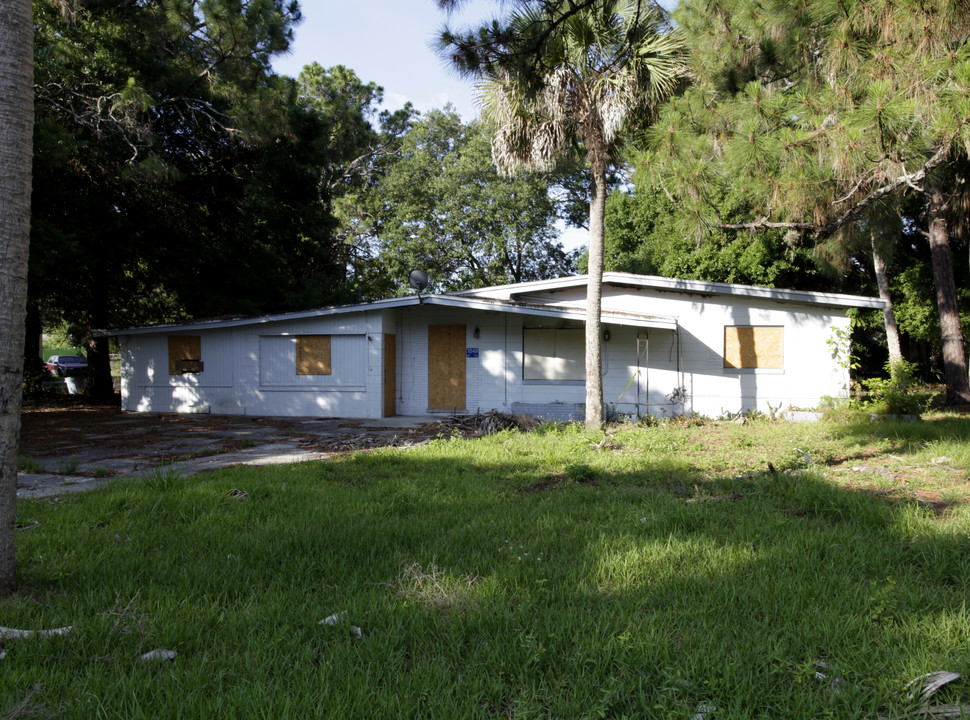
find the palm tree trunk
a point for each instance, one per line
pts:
(16, 149)
(888, 315)
(594, 302)
(954, 357)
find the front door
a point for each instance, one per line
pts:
(446, 367)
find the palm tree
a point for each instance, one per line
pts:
(16, 132)
(562, 75)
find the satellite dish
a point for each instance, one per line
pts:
(418, 279)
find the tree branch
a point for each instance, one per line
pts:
(852, 213)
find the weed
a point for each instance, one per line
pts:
(842, 410)
(29, 465)
(68, 466)
(247, 443)
(162, 478)
(774, 410)
(686, 420)
(894, 395)
(584, 474)
(648, 420)
(101, 471)
(729, 416)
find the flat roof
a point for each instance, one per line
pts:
(676, 285)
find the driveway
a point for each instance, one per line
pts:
(74, 447)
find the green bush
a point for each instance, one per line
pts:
(896, 394)
(841, 410)
(28, 465)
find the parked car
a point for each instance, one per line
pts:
(66, 365)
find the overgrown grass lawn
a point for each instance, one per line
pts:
(662, 572)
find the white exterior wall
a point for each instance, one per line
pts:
(809, 373)
(483, 375)
(251, 370)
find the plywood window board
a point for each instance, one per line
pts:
(754, 347)
(184, 354)
(553, 354)
(313, 355)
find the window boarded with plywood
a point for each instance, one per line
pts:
(754, 347)
(553, 354)
(313, 355)
(278, 364)
(184, 354)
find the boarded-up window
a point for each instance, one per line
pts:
(313, 355)
(754, 347)
(553, 354)
(184, 354)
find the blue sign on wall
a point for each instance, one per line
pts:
(471, 352)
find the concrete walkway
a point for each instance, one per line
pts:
(133, 446)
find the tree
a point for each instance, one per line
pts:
(826, 112)
(361, 142)
(16, 128)
(156, 123)
(442, 207)
(561, 74)
(647, 233)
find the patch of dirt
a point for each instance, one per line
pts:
(70, 437)
(63, 430)
(42, 427)
(553, 483)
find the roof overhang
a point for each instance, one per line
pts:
(461, 302)
(516, 307)
(685, 287)
(220, 323)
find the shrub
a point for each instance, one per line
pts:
(28, 465)
(896, 394)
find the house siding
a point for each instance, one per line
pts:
(253, 372)
(250, 368)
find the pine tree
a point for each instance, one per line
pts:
(822, 111)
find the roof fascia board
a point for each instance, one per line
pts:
(555, 311)
(716, 288)
(455, 301)
(388, 304)
(698, 287)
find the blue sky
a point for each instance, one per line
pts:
(387, 42)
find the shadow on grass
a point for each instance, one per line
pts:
(492, 584)
(910, 434)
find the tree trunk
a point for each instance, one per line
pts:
(99, 383)
(594, 302)
(16, 134)
(100, 386)
(954, 357)
(33, 339)
(888, 315)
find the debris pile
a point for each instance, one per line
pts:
(475, 425)
(489, 423)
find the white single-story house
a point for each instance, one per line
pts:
(670, 347)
